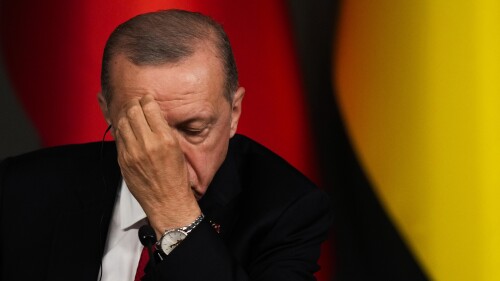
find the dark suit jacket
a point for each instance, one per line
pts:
(56, 207)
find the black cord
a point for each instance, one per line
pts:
(101, 164)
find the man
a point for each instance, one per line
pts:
(221, 206)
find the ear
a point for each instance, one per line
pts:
(104, 107)
(236, 109)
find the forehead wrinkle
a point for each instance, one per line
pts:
(168, 104)
(179, 113)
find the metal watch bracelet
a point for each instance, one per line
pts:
(190, 227)
(187, 229)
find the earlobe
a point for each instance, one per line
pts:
(236, 109)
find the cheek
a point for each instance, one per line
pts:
(204, 159)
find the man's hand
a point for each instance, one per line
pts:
(153, 165)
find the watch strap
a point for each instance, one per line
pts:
(186, 229)
(190, 227)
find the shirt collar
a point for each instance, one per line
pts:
(130, 210)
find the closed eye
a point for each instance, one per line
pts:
(193, 131)
(195, 135)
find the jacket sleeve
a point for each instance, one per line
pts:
(288, 252)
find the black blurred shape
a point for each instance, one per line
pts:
(367, 246)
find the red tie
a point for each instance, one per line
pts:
(143, 261)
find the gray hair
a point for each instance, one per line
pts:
(168, 36)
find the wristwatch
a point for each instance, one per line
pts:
(173, 237)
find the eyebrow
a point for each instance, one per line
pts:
(202, 119)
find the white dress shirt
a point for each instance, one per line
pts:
(123, 248)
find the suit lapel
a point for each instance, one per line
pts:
(80, 234)
(219, 202)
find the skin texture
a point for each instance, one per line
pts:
(172, 127)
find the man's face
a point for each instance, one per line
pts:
(190, 96)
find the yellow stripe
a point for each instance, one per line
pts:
(488, 38)
(419, 87)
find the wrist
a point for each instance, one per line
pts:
(171, 218)
(171, 238)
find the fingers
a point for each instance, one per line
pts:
(141, 119)
(124, 135)
(152, 162)
(137, 121)
(153, 114)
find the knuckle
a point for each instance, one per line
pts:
(123, 160)
(149, 106)
(121, 123)
(152, 147)
(132, 112)
(129, 158)
(120, 126)
(167, 139)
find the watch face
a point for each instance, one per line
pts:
(171, 239)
